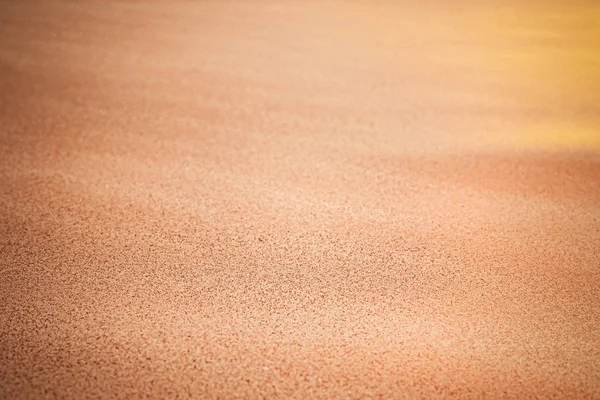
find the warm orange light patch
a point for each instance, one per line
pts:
(557, 137)
(553, 53)
(549, 56)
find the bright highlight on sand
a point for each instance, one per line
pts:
(560, 138)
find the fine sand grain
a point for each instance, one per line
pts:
(299, 199)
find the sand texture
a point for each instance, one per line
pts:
(299, 199)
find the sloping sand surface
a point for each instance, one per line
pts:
(263, 199)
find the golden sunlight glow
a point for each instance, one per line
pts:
(551, 54)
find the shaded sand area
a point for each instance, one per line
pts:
(338, 199)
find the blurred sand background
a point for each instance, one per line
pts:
(299, 199)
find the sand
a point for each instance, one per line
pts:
(262, 199)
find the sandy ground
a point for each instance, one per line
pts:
(285, 199)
